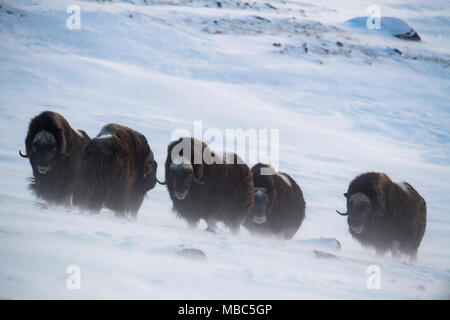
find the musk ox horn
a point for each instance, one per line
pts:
(23, 155)
(342, 213)
(163, 183)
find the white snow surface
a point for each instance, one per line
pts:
(341, 108)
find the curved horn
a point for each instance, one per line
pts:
(163, 183)
(198, 182)
(342, 213)
(23, 155)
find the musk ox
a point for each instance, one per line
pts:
(385, 215)
(205, 185)
(54, 150)
(118, 169)
(279, 207)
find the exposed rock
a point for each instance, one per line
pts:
(305, 48)
(421, 287)
(193, 255)
(411, 35)
(262, 19)
(388, 25)
(270, 6)
(324, 255)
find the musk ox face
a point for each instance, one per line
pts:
(43, 152)
(181, 174)
(259, 212)
(359, 210)
(150, 168)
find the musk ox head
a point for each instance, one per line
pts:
(43, 152)
(264, 192)
(261, 206)
(181, 175)
(46, 142)
(359, 211)
(184, 166)
(149, 173)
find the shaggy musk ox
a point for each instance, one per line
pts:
(203, 185)
(54, 150)
(385, 215)
(279, 204)
(118, 169)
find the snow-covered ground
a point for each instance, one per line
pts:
(345, 99)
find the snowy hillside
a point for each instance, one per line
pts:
(346, 100)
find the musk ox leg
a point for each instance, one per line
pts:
(95, 209)
(94, 206)
(212, 225)
(192, 223)
(132, 213)
(135, 204)
(120, 213)
(280, 231)
(380, 251)
(410, 250)
(395, 249)
(413, 256)
(289, 234)
(234, 227)
(91, 210)
(118, 204)
(279, 234)
(68, 201)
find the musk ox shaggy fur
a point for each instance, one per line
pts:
(118, 169)
(279, 207)
(54, 150)
(385, 215)
(204, 185)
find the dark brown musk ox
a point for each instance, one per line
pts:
(118, 168)
(205, 185)
(279, 204)
(385, 215)
(54, 150)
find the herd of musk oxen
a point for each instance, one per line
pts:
(117, 168)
